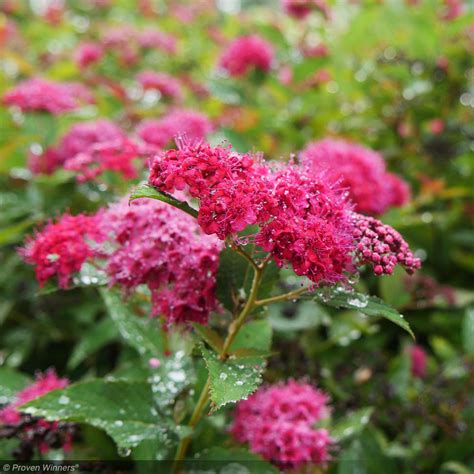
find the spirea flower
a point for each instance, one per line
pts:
(89, 149)
(36, 432)
(167, 85)
(302, 8)
(162, 247)
(278, 421)
(60, 248)
(43, 95)
(361, 170)
(381, 246)
(229, 186)
(418, 361)
(311, 228)
(88, 53)
(179, 122)
(246, 53)
(153, 38)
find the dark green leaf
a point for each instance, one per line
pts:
(351, 424)
(468, 331)
(147, 191)
(11, 382)
(123, 409)
(233, 379)
(210, 336)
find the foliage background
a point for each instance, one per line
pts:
(387, 84)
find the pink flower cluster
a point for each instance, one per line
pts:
(418, 361)
(37, 430)
(167, 85)
(162, 247)
(43, 95)
(127, 41)
(246, 53)
(278, 421)
(361, 170)
(60, 248)
(302, 8)
(146, 243)
(10, 415)
(310, 228)
(382, 246)
(88, 53)
(304, 220)
(179, 122)
(230, 187)
(89, 149)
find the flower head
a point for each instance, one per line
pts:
(381, 246)
(278, 421)
(37, 432)
(159, 246)
(167, 85)
(42, 95)
(361, 170)
(302, 8)
(418, 361)
(246, 53)
(60, 249)
(88, 53)
(179, 122)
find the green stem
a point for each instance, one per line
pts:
(285, 297)
(234, 328)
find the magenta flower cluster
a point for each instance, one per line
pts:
(302, 8)
(146, 243)
(362, 171)
(37, 430)
(178, 122)
(381, 246)
(39, 94)
(60, 249)
(303, 220)
(167, 85)
(246, 53)
(156, 245)
(278, 422)
(89, 149)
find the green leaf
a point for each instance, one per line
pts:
(11, 382)
(148, 191)
(234, 279)
(393, 289)
(369, 305)
(227, 460)
(124, 409)
(254, 335)
(232, 379)
(96, 337)
(210, 336)
(308, 315)
(142, 334)
(468, 331)
(352, 424)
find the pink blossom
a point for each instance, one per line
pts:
(361, 170)
(302, 8)
(45, 162)
(159, 246)
(153, 38)
(452, 9)
(37, 430)
(179, 122)
(436, 126)
(381, 246)
(42, 95)
(318, 51)
(59, 249)
(167, 85)
(278, 421)
(285, 75)
(246, 53)
(88, 53)
(44, 384)
(418, 361)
